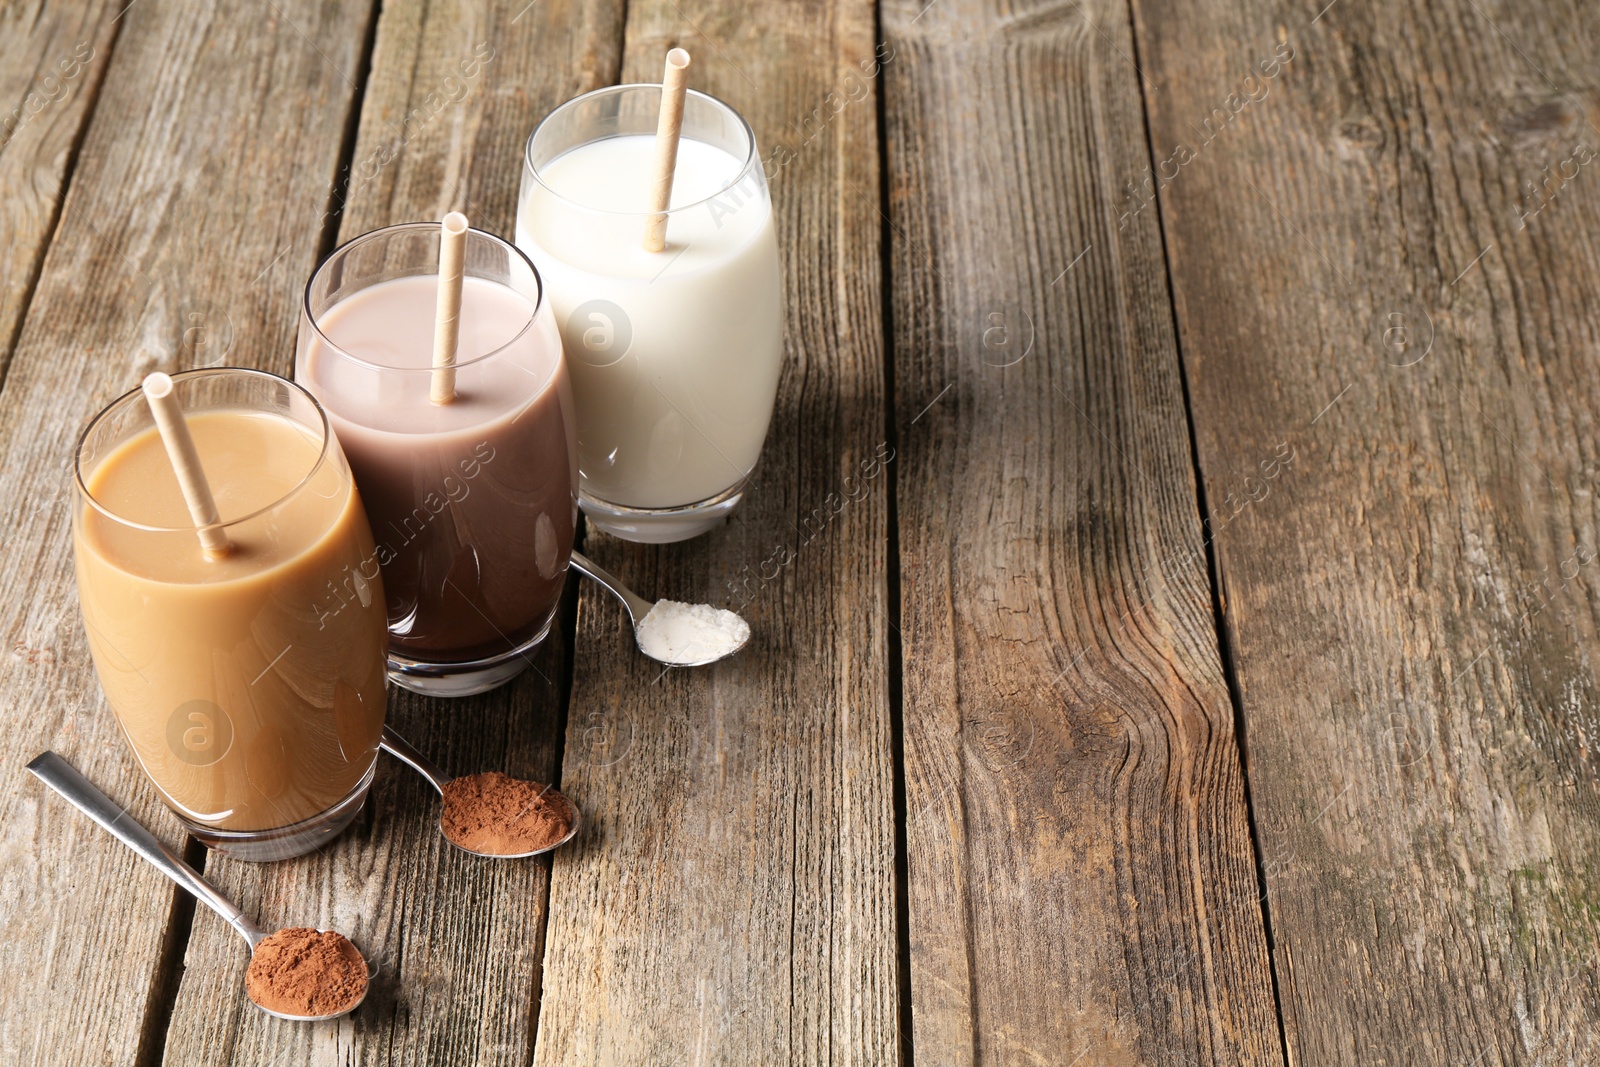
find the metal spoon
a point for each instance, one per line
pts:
(60, 775)
(638, 607)
(406, 753)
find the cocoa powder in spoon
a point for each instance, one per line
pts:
(301, 971)
(498, 815)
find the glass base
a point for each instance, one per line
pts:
(659, 526)
(286, 842)
(464, 679)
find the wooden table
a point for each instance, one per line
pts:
(1209, 677)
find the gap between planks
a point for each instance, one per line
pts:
(895, 652)
(68, 169)
(1230, 671)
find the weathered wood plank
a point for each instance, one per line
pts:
(454, 93)
(1081, 879)
(733, 898)
(455, 89)
(1412, 609)
(52, 59)
(214, 138)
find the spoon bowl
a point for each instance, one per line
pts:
(574, 818)
(412, 757)
(638, 608)
(341, 1013)
(61, 776)
(315, 1018)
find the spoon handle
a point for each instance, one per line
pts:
(61, 776)
(638, 607)
(407, 753)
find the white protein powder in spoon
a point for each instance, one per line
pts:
(674, 632)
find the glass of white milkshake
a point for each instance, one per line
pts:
(675, 354)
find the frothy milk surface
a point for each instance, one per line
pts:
(473, 503)
(247, 706)
(675, 355)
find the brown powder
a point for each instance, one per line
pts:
(301, 971)
(498, 815)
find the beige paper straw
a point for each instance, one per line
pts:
(174, 430)
(447, 312)
(674, 84)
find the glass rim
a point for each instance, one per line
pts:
(750, 157)
(389, 231)
(181, 376)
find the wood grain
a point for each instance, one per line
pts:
(732, 899)
(188, 183)
(1413, 607)
(453, 93)
(52, 59)
(1081, 877)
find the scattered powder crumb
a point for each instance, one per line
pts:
(498, 815)
(301, 971)
(675, 632)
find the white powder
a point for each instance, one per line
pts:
(674, 632)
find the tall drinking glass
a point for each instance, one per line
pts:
(675, 354)
(473, 502)
(250, 688)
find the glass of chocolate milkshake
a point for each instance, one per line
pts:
(255, 712)
(473, 502)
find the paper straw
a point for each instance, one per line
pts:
(447, 312)
(174, 430)
(674, 84)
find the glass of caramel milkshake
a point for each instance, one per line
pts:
(250, 686)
